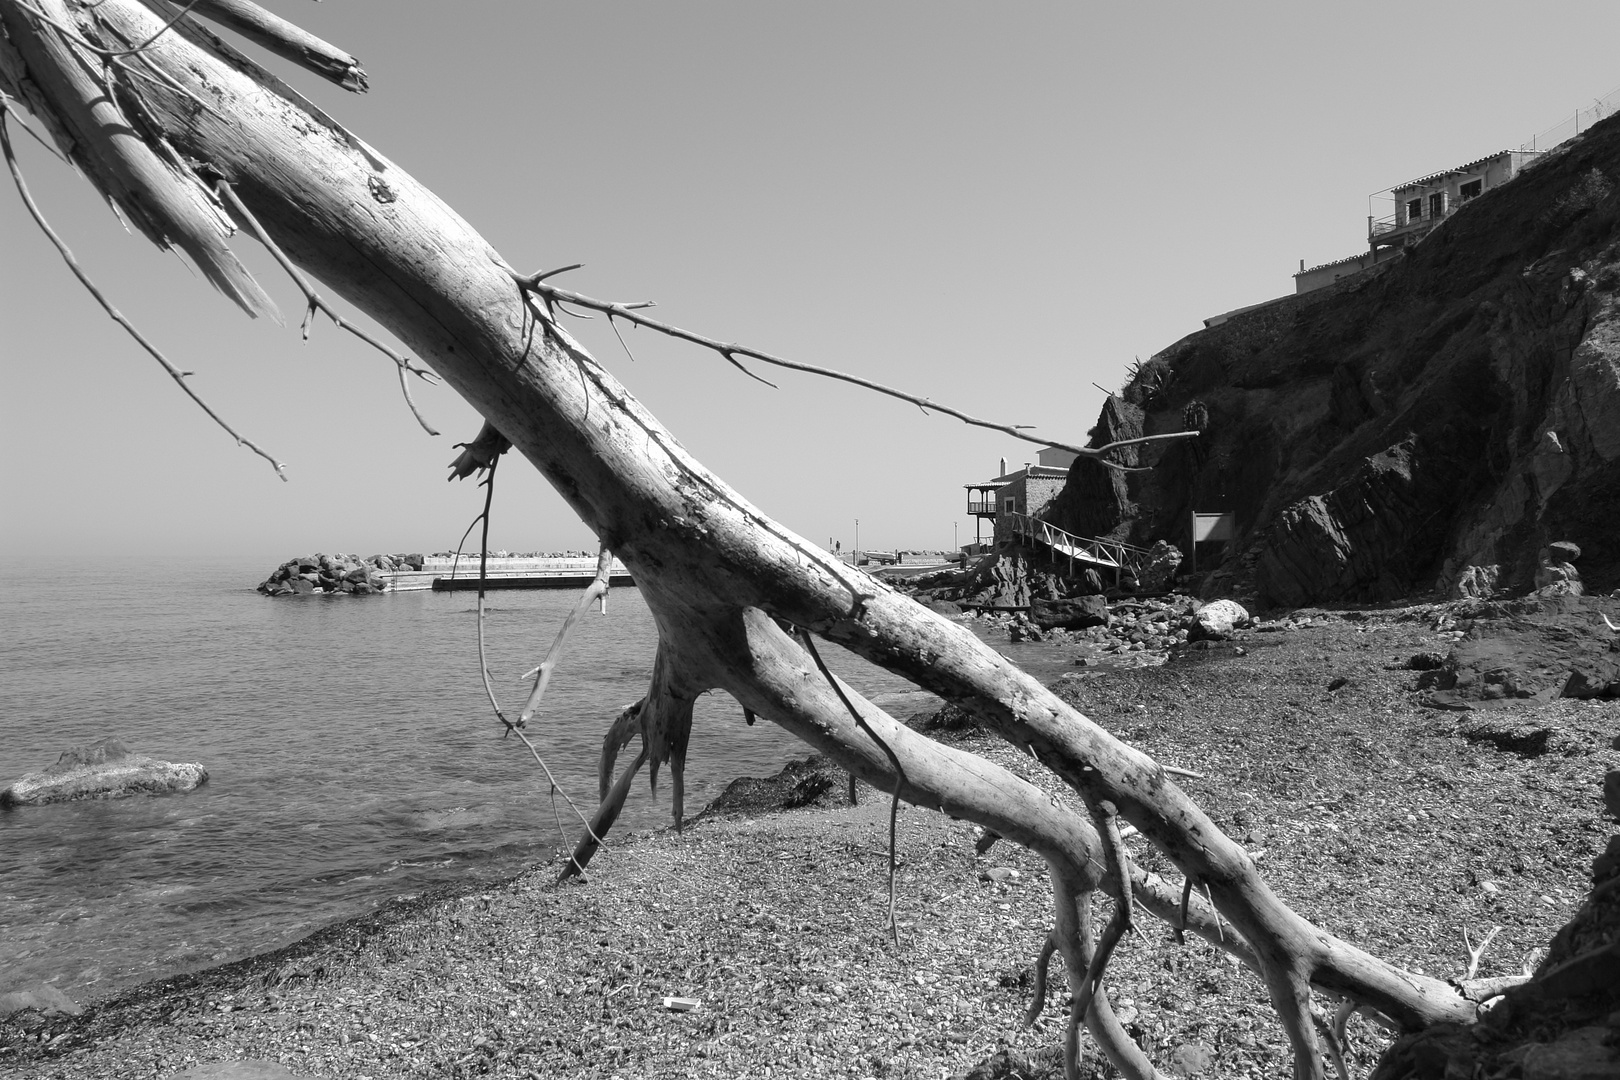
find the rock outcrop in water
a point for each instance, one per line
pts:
(103, 770)
(335, 574)
(1458, 408)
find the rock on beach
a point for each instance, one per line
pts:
(103, 770)
(1217, 620)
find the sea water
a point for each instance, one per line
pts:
(351, 751)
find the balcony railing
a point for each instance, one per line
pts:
(982, 507)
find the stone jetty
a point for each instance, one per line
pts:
(321, 573)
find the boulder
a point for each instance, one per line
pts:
(103, 770)
(1217, 620)
(1006, 579)
(1075, 614)
(1563, 551)
(1557, 576)
(1158, 572)
(1476, 583)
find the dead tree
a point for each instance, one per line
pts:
(191, 139)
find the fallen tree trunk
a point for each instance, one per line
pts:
(721, 579)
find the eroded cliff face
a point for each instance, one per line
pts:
(1460, 407)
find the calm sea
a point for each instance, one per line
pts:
(352, 757)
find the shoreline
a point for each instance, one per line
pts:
(776, 921)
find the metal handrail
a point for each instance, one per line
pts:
(1110, 553)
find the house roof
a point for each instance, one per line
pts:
(1336, 262)
(1432, 177)
(1039, 472)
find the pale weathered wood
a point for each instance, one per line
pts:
(155, 190)
(286, 40)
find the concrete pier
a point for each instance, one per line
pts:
(443, 575)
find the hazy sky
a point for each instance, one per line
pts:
(996, 205)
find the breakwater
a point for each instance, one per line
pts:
(443, 572)
(308, 574)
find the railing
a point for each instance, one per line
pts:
(1388, 224)
(982, 506)
(1121, 558)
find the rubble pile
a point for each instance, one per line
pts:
(1151, 626)
(336, 574)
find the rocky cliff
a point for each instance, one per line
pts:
(1459, 407)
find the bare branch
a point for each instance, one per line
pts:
(1072, 929)
(37, 137)
(317, 303)
(730, 352)
(488, 483)
(1291, 998)
(84, 279)
(1483, 990)
(483, 663)
(1474, 954)
(287, 41)
(607, 812)
(1117, 925)
(597, 590)
(894, 761)
(1037, 994)
(1120, 861)
(147, 44)
(1338, 1037)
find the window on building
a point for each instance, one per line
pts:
(1414, 210)
(1471, 190)
(1009, 506)
(1437, 205)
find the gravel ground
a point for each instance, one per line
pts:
(1396, 826)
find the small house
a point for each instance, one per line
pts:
(1417, 207)
(1423, 203)
(1027, 491)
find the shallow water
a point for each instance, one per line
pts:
(352, 757)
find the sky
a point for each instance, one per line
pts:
(999, 206)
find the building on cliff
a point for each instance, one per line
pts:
(1376, 438)
(1421, 204)
(1414, 209)
(1029, 490)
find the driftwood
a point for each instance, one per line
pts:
(216, 140)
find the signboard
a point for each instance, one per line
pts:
(1211, 527)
